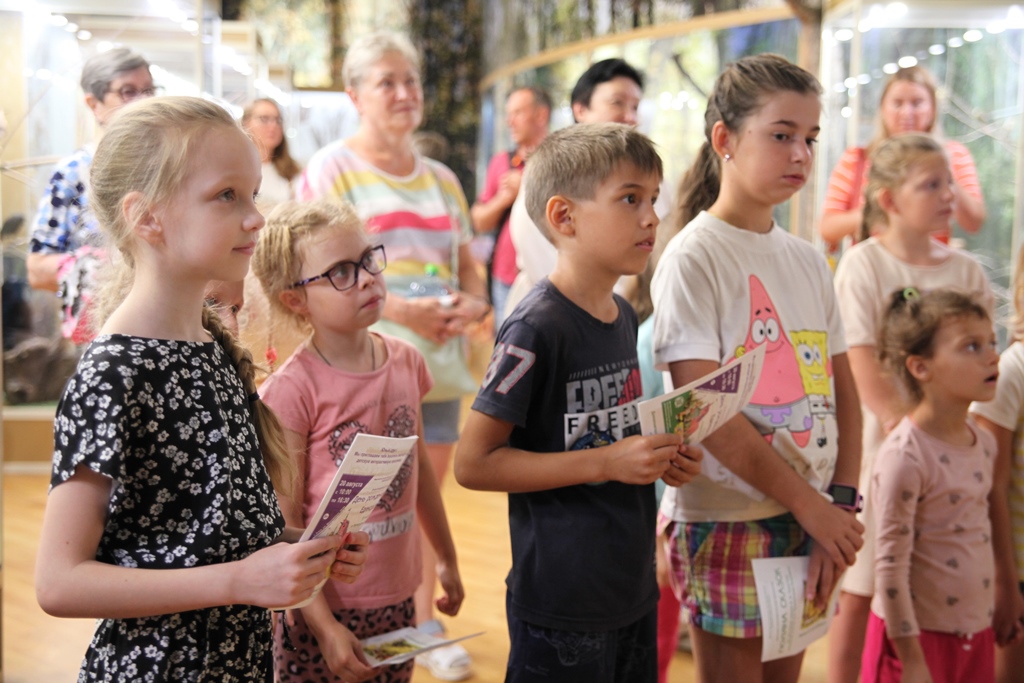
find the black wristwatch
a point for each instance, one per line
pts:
(846, 497)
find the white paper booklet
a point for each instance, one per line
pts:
(704, 405)
(788, 622)
(402, 645)
(364, 475)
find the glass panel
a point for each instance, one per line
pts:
(48, 120)
(975, 56)
(514, 29)
(680, 73)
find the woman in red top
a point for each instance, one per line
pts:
(908, 105)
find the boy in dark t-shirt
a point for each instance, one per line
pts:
(556, 425)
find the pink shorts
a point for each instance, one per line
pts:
(951, 658)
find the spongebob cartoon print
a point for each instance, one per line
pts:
(815, 372)
(780, 399)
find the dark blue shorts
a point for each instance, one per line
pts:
(555, 656)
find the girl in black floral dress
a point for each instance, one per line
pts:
(162, 519)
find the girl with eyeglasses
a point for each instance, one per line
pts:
(416, 207)
(318, 269)
(265, 124)
(66, 249)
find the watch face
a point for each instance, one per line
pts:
(844, 495)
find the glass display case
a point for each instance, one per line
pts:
(191, 51)
(680, 61)
(974, 52)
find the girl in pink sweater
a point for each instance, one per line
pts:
(934, 567)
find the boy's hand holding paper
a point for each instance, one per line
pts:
(704, 405)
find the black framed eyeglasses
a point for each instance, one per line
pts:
(345, 274)
(128, 93)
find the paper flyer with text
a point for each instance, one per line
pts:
(402, 645)
(788, 622)
(702, 406)
(363, 477)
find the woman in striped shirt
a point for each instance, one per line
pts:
(908, 105)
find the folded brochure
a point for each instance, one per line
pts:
(365, 473)
(702, 406)
(402, 645)
(789, 623)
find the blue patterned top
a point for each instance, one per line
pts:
(63, 222)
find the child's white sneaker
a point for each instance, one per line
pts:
(448, 663)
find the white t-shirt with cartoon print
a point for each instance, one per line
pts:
(719, 292)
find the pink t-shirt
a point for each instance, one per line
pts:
(504, 265)
(934, 564)
(329, 407)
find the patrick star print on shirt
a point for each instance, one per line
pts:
(794, 390)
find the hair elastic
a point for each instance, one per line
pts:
(911, 293)
(254, 396)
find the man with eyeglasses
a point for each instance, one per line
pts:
(65, 245)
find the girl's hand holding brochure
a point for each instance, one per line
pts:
(685, 466)
(343, 653)
(284, 573)
(350, 557)
(837, 537)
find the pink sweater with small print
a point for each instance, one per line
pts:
(934, 568)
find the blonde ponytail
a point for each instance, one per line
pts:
(279, 466)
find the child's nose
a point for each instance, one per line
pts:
(803, 152)
(255, 220)
(651, 219)
(365, 278)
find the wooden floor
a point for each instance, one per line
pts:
(41, 649)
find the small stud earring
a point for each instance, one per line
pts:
(728, 157)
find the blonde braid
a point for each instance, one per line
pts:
(279, 466)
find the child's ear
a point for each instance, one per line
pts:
(141, 219)
(918, 368)
(721, 139)
(560, 215)
(885, 200)
(294, 301)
